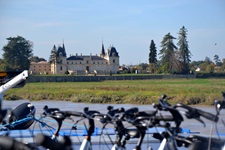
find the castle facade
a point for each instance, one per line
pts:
(105, 63)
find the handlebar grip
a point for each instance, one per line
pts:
(50, 110)
(164, 118)
(113, 112)
(8, 143)
(131, 111)
(73, 113)
(47, 142)
(208, 116)
(195, 111)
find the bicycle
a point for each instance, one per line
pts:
(172, 140)
(60, 116)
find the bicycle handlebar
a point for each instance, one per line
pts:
(90, 114)
(48, 111)
(72, 113)
(131, 111)
(112, 111)
(55, 112)
(196, 113)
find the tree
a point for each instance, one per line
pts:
(217, 60)
(207, 60)
(2, 65)
(144, 66)
(17, 53)
(53, 55)
(36, 59)
(184, 52)
(53, 58)
(206, 63)
(223, 65)
(210, 68)
(168, 56)
(152, 57)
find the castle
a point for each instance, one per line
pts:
(106, 63)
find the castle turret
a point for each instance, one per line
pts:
(102, 53)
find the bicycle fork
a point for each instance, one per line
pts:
(86, 144)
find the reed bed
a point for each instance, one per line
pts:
(187, 91)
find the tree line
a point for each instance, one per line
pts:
(173, 59)
(177, 58)
(18, 53)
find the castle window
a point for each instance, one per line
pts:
(72, 62)
(87, 62)
(60, 67)
(106, 62)
(80, 62)
(93, 62)
(67, 62)
(114, 61)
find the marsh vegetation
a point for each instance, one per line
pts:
(187, 91)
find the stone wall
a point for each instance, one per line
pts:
(101, 78)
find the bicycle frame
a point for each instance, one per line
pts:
(13, 82)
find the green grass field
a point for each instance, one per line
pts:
(187, 91)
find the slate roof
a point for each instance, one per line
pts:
(112, 52)
(62, 51)
(82, 57)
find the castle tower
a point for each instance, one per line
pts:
(58, 60)
(113, 58)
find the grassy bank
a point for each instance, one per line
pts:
(188, 91)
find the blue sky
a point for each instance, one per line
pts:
(129, 25)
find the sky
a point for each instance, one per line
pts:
(128, 25)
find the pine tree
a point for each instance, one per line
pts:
(52, 58)
(152, 57)
(152, 53)
(217, 60)
(168, 61)
(183, 50)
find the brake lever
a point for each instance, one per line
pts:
(200, 120)
(193, 115)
